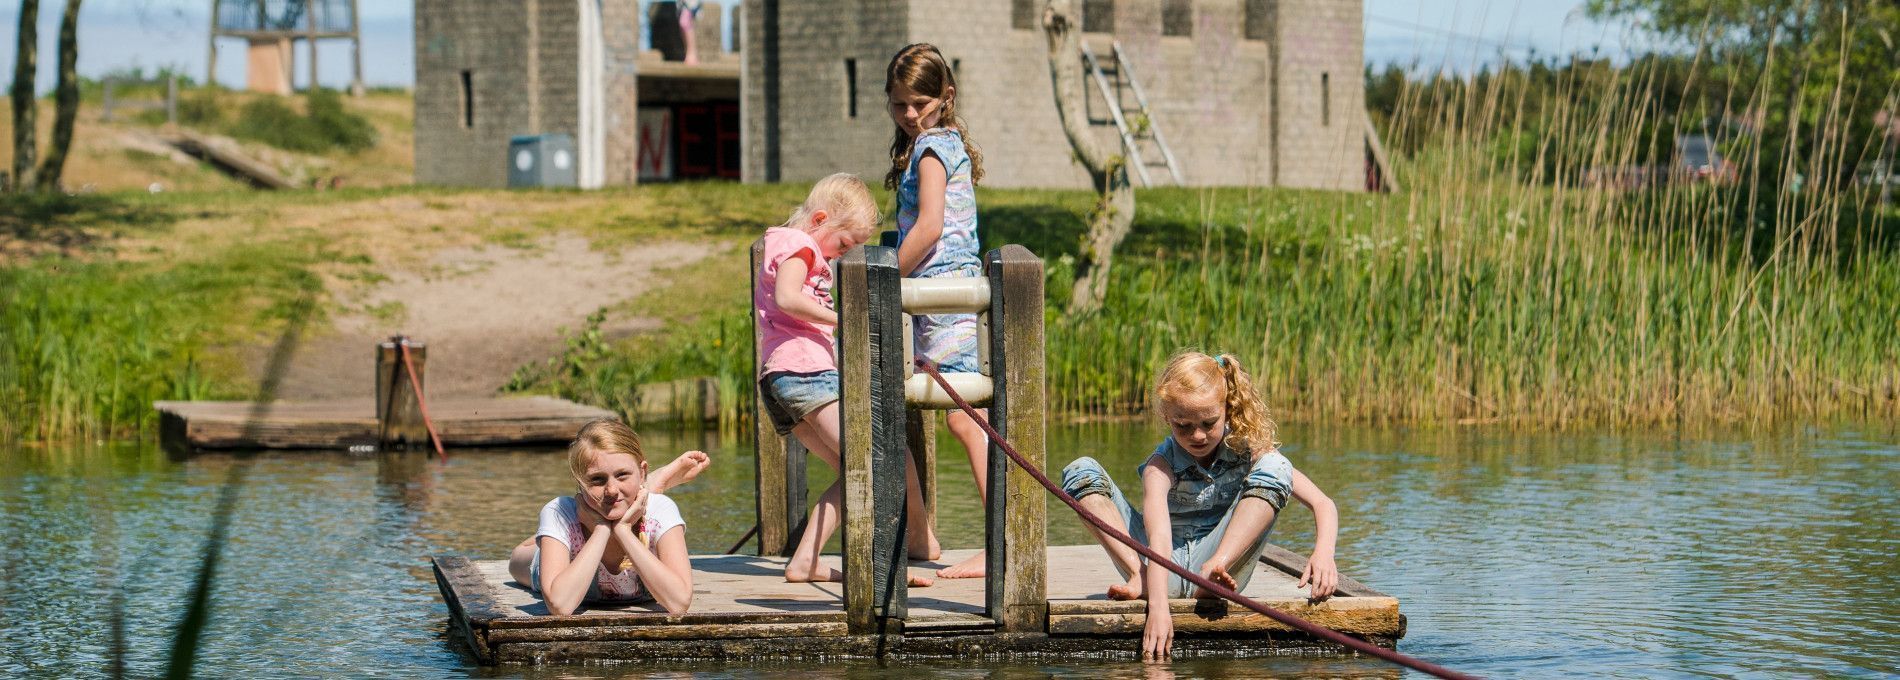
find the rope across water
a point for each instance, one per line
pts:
(1321, 632)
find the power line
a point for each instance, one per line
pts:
(1422, 28)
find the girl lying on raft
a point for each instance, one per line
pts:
(618, 540)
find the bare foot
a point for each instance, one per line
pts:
(1131, 590)
(927, 550)
(974, 567)
(1217, 574)
(682, 470)
(824, 573)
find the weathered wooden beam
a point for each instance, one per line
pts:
(779, 462)
(871, 411)
(1354, 615)
(1016, 512)
(398, 411)
(1293, 564)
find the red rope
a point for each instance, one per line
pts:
(1156, 558)
(422, 403)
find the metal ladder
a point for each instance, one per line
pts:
(1117, 110)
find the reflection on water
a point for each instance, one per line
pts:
(1631, 555)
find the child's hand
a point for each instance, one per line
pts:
(1321, 574)
(636, 511)
(589, 517)
(1157, 634)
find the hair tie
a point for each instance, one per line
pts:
(1221, 361)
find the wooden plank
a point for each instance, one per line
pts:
(1293, 564)
(233, 161)
(471, 602)
(702, 631)
(856, 370)
(1355, 615)
(345, 423)
(871, 413)
(1017, 513)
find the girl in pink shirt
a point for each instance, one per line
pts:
(799, 374)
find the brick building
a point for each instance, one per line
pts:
(1247, 92)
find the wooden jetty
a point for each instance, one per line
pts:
(393, 418)
(744, 610)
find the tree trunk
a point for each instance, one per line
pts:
(1115, 208)
(66, 99)
(25, 67)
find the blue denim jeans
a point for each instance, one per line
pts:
(1193, 544)
(789, 397)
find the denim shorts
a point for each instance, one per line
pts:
(789, 397)
(1193, 545)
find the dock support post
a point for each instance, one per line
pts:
(398, 412)
(871, 412)
(779, 461)
(1016, 513)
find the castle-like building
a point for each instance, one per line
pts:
(1244, 92)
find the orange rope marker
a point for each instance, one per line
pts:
(422, 403)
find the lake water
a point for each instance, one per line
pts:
(1632, 555)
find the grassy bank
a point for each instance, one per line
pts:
(1482, 301)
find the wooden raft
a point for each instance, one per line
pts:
(189, 425)
(744, 610)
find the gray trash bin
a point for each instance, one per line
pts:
(542, 161)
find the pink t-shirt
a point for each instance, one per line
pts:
(787, 343)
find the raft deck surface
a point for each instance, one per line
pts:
(743, 609)
(349, 422)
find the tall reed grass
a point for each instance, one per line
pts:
(88, 346)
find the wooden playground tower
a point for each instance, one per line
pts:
(272, 28)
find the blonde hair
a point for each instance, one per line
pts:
(922, 69)
(1193, 375)
(847, 203)
(602, 436)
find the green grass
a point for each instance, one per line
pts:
(1470, 299)
(90, 345)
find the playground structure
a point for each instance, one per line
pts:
(744, 609)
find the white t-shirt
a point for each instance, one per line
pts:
(560, 520)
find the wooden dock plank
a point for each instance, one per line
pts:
(347, 422)
(742, 607)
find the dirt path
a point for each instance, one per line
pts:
(483, 311)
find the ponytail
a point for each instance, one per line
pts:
(1250, 424)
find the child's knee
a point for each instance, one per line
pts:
(1085, 477)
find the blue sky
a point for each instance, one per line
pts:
(117, 34)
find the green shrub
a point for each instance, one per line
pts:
(325, 127)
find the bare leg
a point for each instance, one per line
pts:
(519, 561)
(819, 432)
(1127, 561)
(682, 470)
(921, 537)
(1251, 517)
(976, 444)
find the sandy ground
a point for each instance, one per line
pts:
(483, 311)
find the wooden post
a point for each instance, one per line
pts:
(398, 413)
(779, 462)
(211, 48)
(871, 412)
(1017, 531)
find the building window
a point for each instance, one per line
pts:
(1098, 16)
(1325, 99)
(468, 100)
(1177, 17)
(1258, 19)
(1022, 13)
(850, 88)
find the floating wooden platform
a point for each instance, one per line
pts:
(744, 610)
(188, 425)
